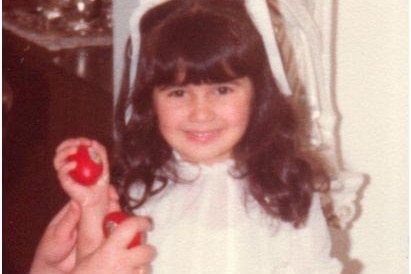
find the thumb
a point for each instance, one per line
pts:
(125, 232)
(66, 225)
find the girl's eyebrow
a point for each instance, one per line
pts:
(164, 87)
(235, 81)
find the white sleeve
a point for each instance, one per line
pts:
(312, 245)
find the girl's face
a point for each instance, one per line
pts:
(203, 123)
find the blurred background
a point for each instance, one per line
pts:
(57, 83)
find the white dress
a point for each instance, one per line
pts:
(209, 225)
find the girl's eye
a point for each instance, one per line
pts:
(222, 90)
(176, 93)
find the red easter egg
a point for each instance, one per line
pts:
(112, 220)
(89, 166)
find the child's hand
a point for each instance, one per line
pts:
(114, 256)
(96, 200)
(56, 250)
(85, 195)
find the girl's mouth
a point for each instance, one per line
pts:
(202, 136)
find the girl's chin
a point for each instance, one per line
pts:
(206, 159)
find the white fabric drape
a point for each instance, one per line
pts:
(208, 224)
(307, 28)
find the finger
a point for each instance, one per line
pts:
(74, 142)
(60, 214)
(142, 256)
(75, 190)
(61, 156)
(63, 174)
(145, 269)
(102, 152)
(68, 142)
(67, 148)
(99, 147)
(125, 232)
(66, 226)
(59, 241)
(65, 143)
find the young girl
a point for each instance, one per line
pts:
(205, 145)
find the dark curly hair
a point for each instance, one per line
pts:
(210, 41)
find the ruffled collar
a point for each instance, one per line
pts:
(191, 171)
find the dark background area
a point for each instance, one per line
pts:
(47, 97)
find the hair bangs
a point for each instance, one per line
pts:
(197, 48)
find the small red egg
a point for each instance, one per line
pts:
(89, 166)
(112, 220)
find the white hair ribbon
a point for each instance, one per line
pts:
(259, 13)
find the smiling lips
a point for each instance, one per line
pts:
(202, 136)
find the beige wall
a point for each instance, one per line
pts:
(122, 10)
(372, 76)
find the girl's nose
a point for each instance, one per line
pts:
(202, 109)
